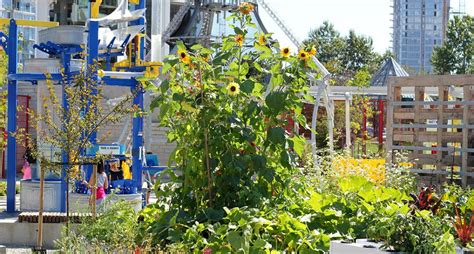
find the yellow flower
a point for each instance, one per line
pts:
(233, 89)
(285, 52)
(239, 39)
(262, 40)
(303, 55)
(183, 56)
(312, 51)
(246, 8)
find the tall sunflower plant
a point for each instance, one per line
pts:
(227, 107)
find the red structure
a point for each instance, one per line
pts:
(23, 124)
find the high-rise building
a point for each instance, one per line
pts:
(22, 9)
(418, 27)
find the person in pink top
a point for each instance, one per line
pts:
(102, 183)
(26, 170)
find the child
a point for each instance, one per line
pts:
(102, 183)
(26, 171)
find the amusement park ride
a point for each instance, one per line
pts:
(121, 35)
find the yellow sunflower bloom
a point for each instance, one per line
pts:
(303, 55)
(285, 52)
(233, 89)
(239, 39)
(262, 40)
(246, 8)
(312, 51)
(183, 56)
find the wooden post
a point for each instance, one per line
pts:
(348, 120)
(419, 97)
(389, 132)
(39, 242)
(443, 96)
(465, 133)
(94, 191)
(381, 122)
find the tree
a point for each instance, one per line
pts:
(343, 56)
(358, 52)
(68, 130)
(457, 52)
(329, 45)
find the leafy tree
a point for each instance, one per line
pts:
(358, 52)
(457, 52)
(329, 44)
(344, 56)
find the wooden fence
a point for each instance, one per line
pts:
(432, 119)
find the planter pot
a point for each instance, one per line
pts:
(29, 195)
(364, 246)
(80, 202)
(360, 246)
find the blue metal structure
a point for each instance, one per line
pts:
(66, 52)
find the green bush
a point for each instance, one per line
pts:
(116, 229)
(3, 188)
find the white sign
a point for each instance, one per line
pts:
(109, 150)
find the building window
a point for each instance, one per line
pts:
(435, 27)
(435, 6)
(435, 13)
(406, 27)
(406, 6)
(434, 42)
(406, 13)
(406, 34)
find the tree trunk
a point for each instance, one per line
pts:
(39, 242)
(94, 191)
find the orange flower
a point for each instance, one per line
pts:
(312, 51)
(183, 56)
(285, 52)
(239, 39)
(246, 8)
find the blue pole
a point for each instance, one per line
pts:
(137, 124)
(66, 62)
(92, 61)
(11, 115)
(137, 138)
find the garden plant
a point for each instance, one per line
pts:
(241, 182)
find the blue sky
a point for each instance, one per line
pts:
(367, 17)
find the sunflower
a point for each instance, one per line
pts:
(285, 52)
(312, 51)
(262, 40)
(239, 39)
(303, 55)
(246, 8)
(183, 56)
(233, 89)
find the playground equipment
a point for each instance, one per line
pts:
(118, 34)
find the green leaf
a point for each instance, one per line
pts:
(257, 66)
(247, 86)
(236, 240)
(276, 102)
(299, 144)
(276, 135)
(262, 244)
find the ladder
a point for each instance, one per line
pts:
(176, 21)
